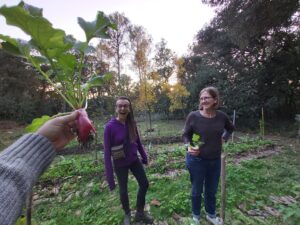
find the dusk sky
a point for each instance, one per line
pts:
(176, 21)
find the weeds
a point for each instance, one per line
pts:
(249, 187)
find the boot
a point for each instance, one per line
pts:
(143, 217)
(127, 219)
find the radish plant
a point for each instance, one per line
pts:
(61, 53)
(195, 143)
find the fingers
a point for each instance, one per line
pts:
(193, 152)
(69, 119)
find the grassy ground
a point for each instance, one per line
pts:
(9, 132)
(261, 188)
(73, 190)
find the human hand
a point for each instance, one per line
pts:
(112, 187)
(58, 130)
(194, 151)
(145, 160)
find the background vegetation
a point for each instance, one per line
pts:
(250, 51)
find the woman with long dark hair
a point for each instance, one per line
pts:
(121, 144)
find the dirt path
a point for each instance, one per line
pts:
(280, 143)
(258, 154)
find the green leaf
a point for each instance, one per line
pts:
(48, 40)
(37, 123)
(22, 221)
(80, 46)
(97, 28)
(34, 11)
(9, 40)
(11, 49)
(63, 54)
(196, 140)
(95, 81)
(99, 80)
(16, 47)
(67, 62)
(40, 60)
(10, 45)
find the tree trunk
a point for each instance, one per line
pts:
(150, 119)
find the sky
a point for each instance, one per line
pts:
(177, 21)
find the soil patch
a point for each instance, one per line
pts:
(9, 125)
(99, 147)
(258, 154)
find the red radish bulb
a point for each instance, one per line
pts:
(84, 126)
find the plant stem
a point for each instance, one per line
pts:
(61, 114)
(51, 83)
(80, 100)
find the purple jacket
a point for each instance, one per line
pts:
(115, 133)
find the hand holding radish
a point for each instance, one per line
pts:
(193, 152)
(59, 129)
(85, 127)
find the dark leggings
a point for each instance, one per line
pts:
(138, 172)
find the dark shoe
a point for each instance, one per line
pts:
(126, 220)
(143, 217)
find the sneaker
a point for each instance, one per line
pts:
(196, 221)
(143, 217)
(214, 220)
(126, 220)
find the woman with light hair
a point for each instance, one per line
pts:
(204, 162)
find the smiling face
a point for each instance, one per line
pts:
(122, 109)
(207, 101)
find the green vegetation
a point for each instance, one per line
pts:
(52, 47)
(236, 48)
(245, 144)
(74, 190)
(162, 128)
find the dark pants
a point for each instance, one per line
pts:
(138, 172)
(204, 172)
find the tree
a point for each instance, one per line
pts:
(177, 94)
(163, 68)
(116, 48)
(23, 94)
(250, 51)
(141, 42)
(146, 98)
(164, 61)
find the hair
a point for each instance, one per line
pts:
(130, 120)
(213, 92)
